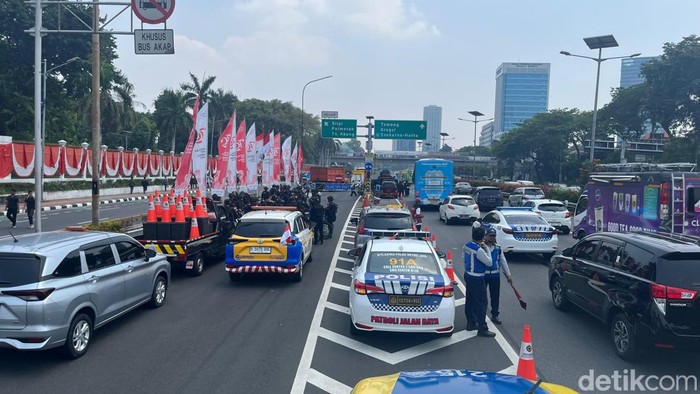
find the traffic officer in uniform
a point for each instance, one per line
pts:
(477, 259)
(492, 277)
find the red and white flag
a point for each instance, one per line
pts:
(251, 164)
(184, 172)
(295, 163)
(276, 159)
(287, 160)
(287, 236)
(199, 152)
(240, 156)
(300, 163)
(267, 159)
(226, 141)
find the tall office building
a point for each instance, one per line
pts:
(403, 145)
(630, 70)
(433, 115)
(522, 91)
(486, 138)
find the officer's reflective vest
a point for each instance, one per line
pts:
(472, 265)
(495, 256)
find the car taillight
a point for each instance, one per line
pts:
(476, 207)
(361, 229)
(567, 214)
(538, 212)
(362, 288)
(445, 291)
(526, 198)
(450, 207)
(661, 293)
(30, 295)
(507, 230)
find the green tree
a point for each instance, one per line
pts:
(194, 88)
(626, 114)
(446, 149)
(172, 120)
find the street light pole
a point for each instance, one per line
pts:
(38, 142)
(598, 43)
(126, 139)
(476, 114)
(303, 91)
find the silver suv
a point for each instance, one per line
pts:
(57, 287)
(381, 221)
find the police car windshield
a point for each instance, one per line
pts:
(402, 263)
(388, 221)
(260, 229)
(525, 219)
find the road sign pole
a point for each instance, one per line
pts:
(370, 157)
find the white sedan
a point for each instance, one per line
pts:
(554, 212)
(400, 285)
(459, 208)
(521, 230)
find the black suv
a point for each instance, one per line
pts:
(488, 198)
(643, 286)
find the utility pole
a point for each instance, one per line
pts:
(38, 142)
(96, 132)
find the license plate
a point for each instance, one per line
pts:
(404, 301)
(555, 223)
(260, 250)
(433, 200)
(533, 235)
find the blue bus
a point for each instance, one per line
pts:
(432, 180)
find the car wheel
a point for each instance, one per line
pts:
(559, 295)
(622, 333)
(79, 336)
(299, 275)
(566, 231)
(197, 266)
(160, 292)
(580, 234)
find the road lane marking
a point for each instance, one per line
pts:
(327, 383)
(338, 308)
(346, 259)
(348, 242)
(340, 287)
(85, 222)
(343, 271)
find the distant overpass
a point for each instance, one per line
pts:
(396, 161)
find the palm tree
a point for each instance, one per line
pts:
(173, 122)
(194, 88)
(221, 105)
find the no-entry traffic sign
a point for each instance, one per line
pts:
(153, 11)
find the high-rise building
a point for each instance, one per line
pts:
(433, 115)
(403, 145)
(486, 137)
(630, 70)
(522, 91)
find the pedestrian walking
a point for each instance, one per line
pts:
(331, 212)
(131, 185)
(353, 189)
(12, 207)
(144, 184)
(165, 184)
(477, 260)
(30, 207)
(492, 277)
(316, 215)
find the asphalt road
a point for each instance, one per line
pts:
(267, 334)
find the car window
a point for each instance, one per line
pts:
(529, 204)
(447, 201)
(550, 207)
(637, 261)
(70, 266)
(402, 263)
(582, 205)
(299, 224)
(491, 218)
(585, 249)
(260, 229)
(607, 253)
(678, 269)
(19, 269)
(99, 257)
(489, 193)
(465, 202)
(533, 192)
(388, 221)
(130, 251)
(525, 219)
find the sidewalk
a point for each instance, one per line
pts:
(53, 205)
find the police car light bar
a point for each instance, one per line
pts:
(399, 234)
(514, 208)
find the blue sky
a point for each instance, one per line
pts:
(390, 58)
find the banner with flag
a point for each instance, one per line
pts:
(199, 152)
(251, 182)
(184, 172)
(295, 162)
(300, 163)
(286, 160)
(240, 156)
(226, 141)
(232, 158)
(276, 159)
(267, 159)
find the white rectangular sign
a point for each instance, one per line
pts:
(329, 114)
(154, 42)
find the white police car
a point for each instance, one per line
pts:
(400, 285)
(521, 230)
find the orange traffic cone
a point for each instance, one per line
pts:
(194, 229)
(179, 212)
(526, 363)
(173, 205)
(434, 242)
(427, 230)
(156, 203)
(186, 206)
(151, 218)
(450, 269)
(199, 209)
(165, 209)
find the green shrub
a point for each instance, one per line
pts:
(113, 226)
(562, 195)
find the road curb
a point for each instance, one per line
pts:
(89, 204)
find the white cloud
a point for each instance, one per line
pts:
(390, 18)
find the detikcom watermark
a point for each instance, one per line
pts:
(629, 380)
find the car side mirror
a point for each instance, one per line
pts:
(441, 255)
(150, 253)
(353, 221)
(352, 252)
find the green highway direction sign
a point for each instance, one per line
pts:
(400, 129)
(338, 128)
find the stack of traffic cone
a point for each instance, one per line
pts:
(199, 209)
(194, 229)
(156, 202)
(526, 362)
(165, 209)
(186, 204)
(179, 212)
(173, 205)
(450, 269)
(151, 218)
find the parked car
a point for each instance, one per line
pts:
(642, 286)
(521, 230)
(57, 287)
(522, 194)
(381, 220)
(488, 197)
(553, 211)
(463, 188)
(459, 208)
(388, 189)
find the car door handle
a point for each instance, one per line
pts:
(94, 279)
(130, 268)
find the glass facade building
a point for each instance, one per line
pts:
(403, 145)
(522, 91)
(433, 115)
(486, 137)
(630, 71)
